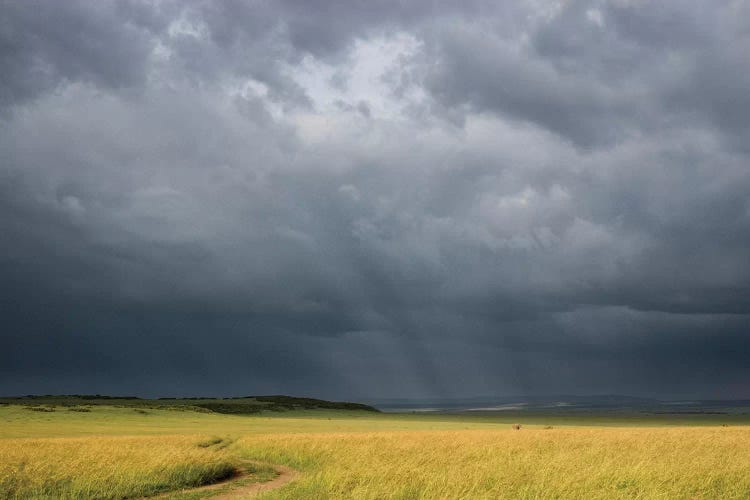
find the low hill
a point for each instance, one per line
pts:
(244, 405)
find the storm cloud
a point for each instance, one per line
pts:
(375, 199)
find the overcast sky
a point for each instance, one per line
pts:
(370, 199)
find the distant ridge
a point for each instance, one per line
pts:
(243, 405)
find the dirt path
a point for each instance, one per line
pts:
(236, 491)
(285, 475)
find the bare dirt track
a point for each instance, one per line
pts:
(285, 475)
(234, 489)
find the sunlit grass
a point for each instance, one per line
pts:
(531, 463)
(107, 467)
(120, 453)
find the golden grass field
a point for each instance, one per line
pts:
(119, 453)
(120, 467)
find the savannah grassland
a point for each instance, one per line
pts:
(111, 452)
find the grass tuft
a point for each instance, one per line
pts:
(79, 409)
(43, 409)
(210, 442)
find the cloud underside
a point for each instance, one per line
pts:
(378, 199)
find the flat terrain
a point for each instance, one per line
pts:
(134, 451)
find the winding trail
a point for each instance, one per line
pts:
(284, 476)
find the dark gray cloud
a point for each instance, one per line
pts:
(374, 199)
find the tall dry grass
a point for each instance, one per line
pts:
(531, 463)
(344, 455)
(107, 467)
